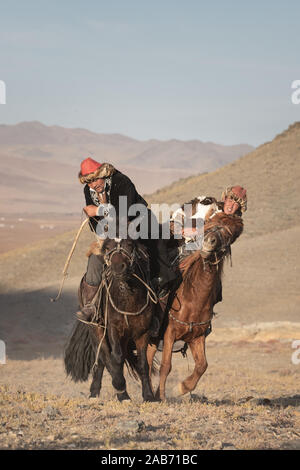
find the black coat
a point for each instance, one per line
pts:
(121, 185)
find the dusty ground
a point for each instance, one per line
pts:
(249, 397)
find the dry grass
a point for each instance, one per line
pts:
(238, 404)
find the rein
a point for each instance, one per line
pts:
(132, 259)
(224, 249)
(192, 323)
(107, 281)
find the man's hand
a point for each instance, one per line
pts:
(189, 232)
(91, 210)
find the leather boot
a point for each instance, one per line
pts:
(86, 295)
(157, 320)
(159, 287)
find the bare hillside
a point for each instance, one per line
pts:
(271, 175)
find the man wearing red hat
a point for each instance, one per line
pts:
(104, 184)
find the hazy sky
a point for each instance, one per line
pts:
(216, 71)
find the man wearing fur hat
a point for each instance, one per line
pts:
(233, 202)
(104, 184)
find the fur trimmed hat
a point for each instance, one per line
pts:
(237, 193)
(90, 170)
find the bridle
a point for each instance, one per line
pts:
(119, 249)
(213, 257)
(107, 280)
(108, 275)
(223, 250)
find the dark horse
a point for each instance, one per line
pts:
(191, 309)
(126, 304)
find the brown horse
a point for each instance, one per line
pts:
(126, 308)
(191, 310)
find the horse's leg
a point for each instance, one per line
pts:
(197, 347)
(151, 351)
(166, 363)
(96, 337)
(141, 347)
(117, 360)
(97, 379)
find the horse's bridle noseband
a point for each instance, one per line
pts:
(224, 248)
(118, 249)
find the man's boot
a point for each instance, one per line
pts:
(157, 320)
(86, 295)
(163, 287)
(159, 287)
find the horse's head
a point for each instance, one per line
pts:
(212, 239)
(220, 233)
(217, 240)
(122, 255)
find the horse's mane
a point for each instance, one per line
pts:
(189, 262)
(233, 223)
(191, 266)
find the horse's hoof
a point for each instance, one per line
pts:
(158, 396)
(123, 396)
(94, 400)
(150, 399)
(177, 391)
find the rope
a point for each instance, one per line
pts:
(67, 263)
(94, 368)
(154, 299)
(124, 312)
(190, 324)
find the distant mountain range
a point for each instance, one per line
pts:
(39, 163)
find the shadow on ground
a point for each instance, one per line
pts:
(278, 402)
(34, 327)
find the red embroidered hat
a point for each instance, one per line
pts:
(89, 166)
(239, 192)
(90, 170)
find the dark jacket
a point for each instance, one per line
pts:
(121, 185)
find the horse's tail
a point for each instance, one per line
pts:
(79, 354)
